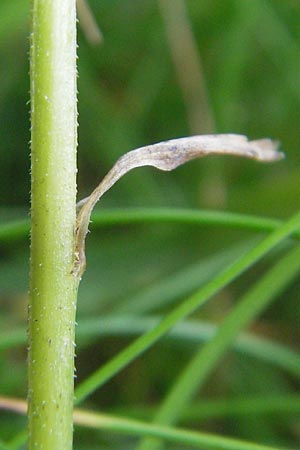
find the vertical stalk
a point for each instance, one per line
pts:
(53, 287)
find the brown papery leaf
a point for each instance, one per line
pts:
(166, 156)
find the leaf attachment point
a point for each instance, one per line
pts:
(167, 156)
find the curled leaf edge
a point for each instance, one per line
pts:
(167, 156)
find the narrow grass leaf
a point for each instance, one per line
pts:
(263, 405)
(139, 428)
(203, 363)
(186, 332)
(19, 229)
(141, 344)
(178, 436)
(183, 282)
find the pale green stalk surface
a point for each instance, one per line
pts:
(53, 190)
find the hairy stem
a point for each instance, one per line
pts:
(53, 288)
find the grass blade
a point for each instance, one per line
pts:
(20, 229)
(179, 436)
(209, 356)
(188, 331)
(120, 361)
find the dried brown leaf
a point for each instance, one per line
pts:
(167, 156)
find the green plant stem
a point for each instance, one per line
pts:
(53, 288)
(121, 360)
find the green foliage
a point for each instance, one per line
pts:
(144, 265)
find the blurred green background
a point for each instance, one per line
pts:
(163, 72)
